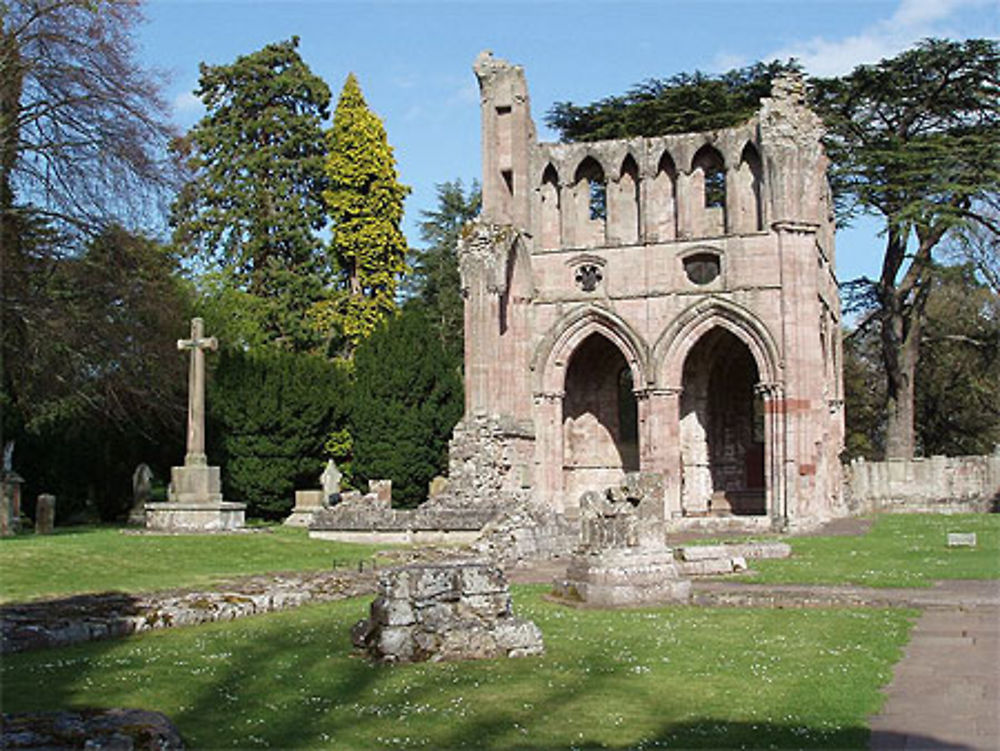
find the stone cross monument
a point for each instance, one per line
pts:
(197, 344)
(195, 498)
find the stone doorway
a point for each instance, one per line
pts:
(721, 429)
(599, 419)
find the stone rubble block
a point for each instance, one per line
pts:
(759, 550)
(393, 612)
(475, 580)
(702, 552)
(460, 611)
(117, 729)
(706, 567)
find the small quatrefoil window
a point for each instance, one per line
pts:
(702, 268)
(588, 277)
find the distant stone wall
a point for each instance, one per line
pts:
(940, 484)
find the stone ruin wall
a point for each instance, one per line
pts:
(939, 484)
(542, 272)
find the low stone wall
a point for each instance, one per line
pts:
(368, 519)
(112, 729)
(939, 484)
(80, 618)
(445, 611)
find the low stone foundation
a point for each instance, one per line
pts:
(445, 611)
(195, 517)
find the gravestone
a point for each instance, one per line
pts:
(45, 514)
(330, 480)
(195, 499)
(142, 488)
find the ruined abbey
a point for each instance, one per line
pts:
(662, 305)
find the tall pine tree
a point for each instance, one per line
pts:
(365, 200)
(254, 203)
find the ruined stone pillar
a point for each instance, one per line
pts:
(548, 474)
(659, 441)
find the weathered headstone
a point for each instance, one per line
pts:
(195, 500)
(45, 514)
(330, 480)
(142, 488)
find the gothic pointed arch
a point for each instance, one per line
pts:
(551, 211)
(553, 353)
(708, 182)
(684, 332)
(623, 208)
(750, 185)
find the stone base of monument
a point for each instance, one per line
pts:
(223, 516)
(195, 484)
(623, 577)
(307, 503)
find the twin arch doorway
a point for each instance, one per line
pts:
(720, 415)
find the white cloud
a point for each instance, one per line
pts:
(724, 62)
(912, 20)
(187, 103)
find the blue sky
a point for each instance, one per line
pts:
(413, 59)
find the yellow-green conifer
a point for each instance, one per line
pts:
(365, 201)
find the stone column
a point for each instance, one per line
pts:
(775, 452)
(198, 343)
(662, 444)
(548, 472)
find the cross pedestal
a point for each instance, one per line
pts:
(195, 499)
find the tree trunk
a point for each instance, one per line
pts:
(901, 368)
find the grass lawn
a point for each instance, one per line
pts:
(98, 559)
(900, 550)
(675, 677)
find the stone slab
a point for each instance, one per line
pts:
(961, 539)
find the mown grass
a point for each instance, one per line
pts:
(900, 550)
(98, 559)
(675, 677)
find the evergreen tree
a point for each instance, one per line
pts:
(435, 279)
(407, 398)
(254, 204)
(684, 103)
(914, 140)
(271, 413)
(365, 201)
